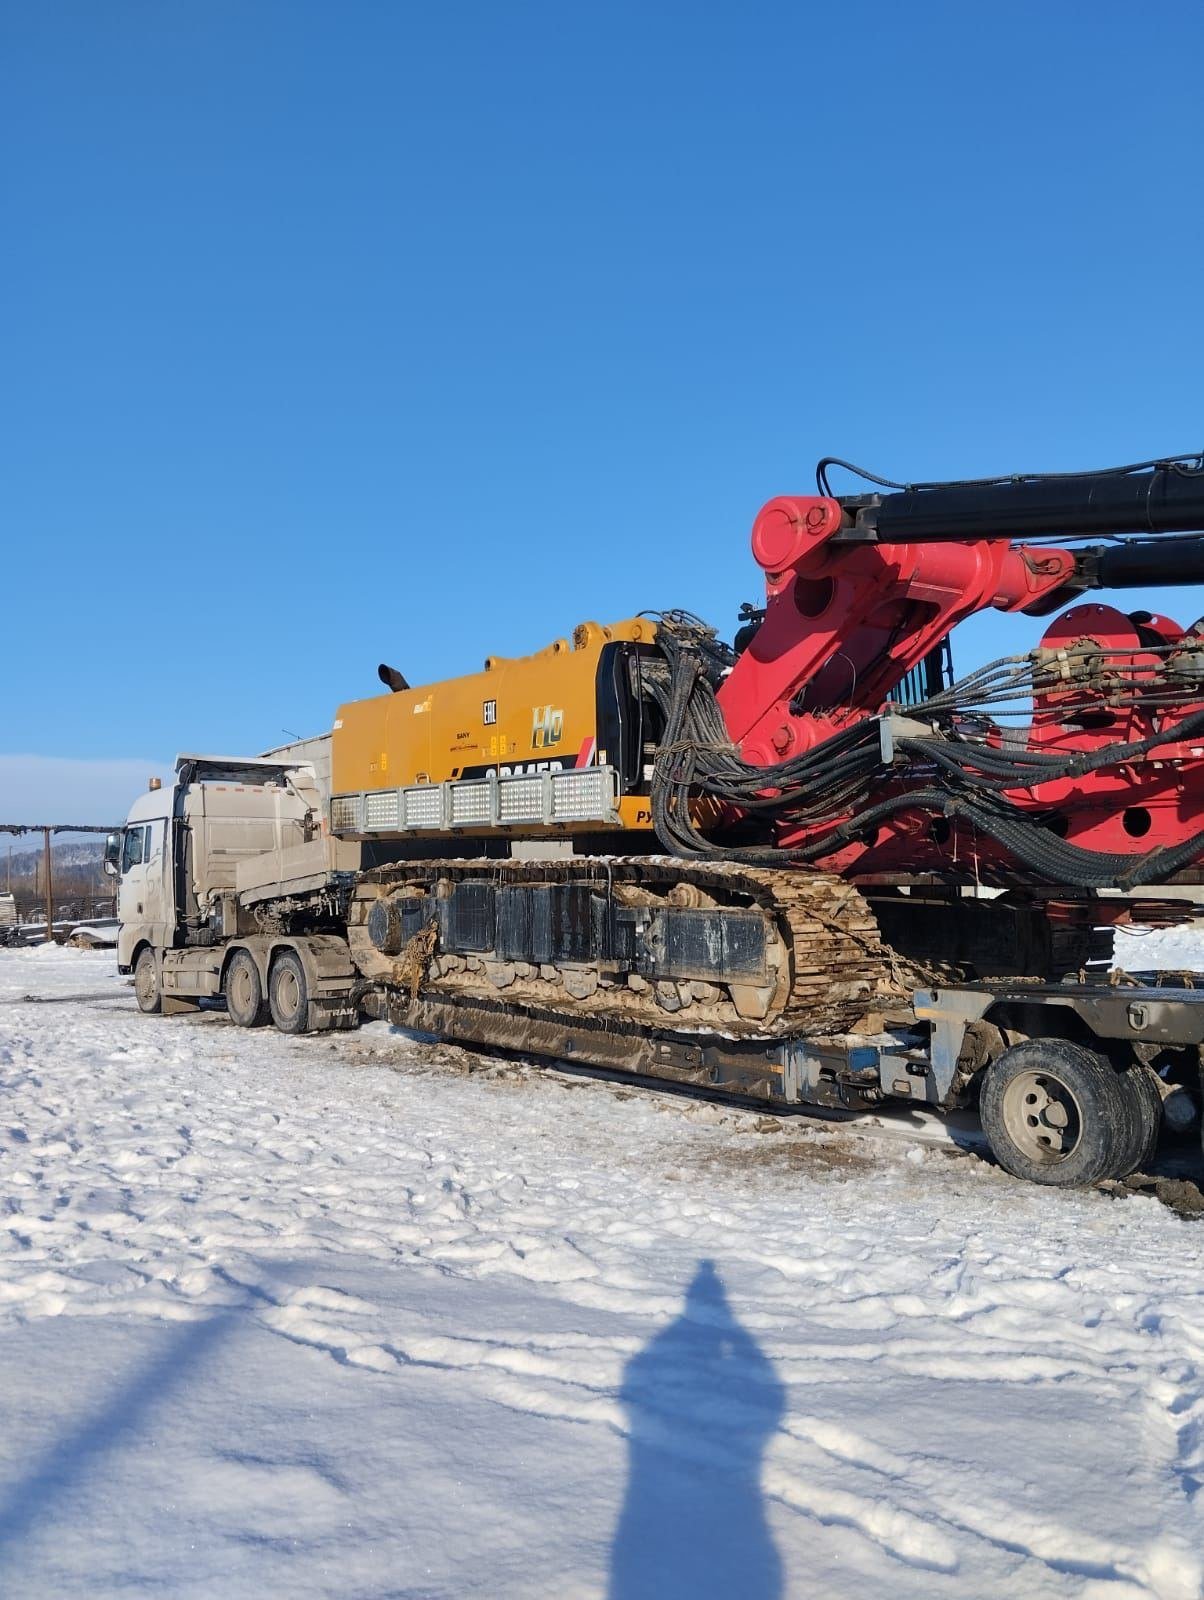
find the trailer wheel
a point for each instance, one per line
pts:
(288, 993)
(148, 989)
(244, 991)
(1058, 1113)
(1140, 1084)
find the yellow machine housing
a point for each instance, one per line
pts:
(565, 708)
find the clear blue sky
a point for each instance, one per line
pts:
(335, 333)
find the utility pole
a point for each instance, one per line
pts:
(49, 887)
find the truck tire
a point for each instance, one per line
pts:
(288, 993)
(148, 987)
(245, 1004)
(1140, 1084)
(1058, 1113)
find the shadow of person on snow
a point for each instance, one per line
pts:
(84, 1447)
(702, 1402)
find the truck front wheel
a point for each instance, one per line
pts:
(245, 1004)
(147, 986)
(288, 993)
(1057, 1113)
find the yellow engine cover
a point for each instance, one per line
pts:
(533, 713)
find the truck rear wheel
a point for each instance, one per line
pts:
(244, 991)
(1140, 1084)
(148, 988)
(1057, 1113)
(288, 993)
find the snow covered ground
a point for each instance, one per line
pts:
(368, 1317)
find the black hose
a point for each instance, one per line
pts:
(698, 762)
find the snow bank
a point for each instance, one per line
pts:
(1159, 949)
(368, 1317)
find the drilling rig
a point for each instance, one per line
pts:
(812, 865)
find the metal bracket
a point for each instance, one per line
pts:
(950, 1012)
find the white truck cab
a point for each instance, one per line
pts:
(144, 889)
(197, 863)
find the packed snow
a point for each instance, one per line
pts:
(366, 1316)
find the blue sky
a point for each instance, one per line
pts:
(340, 333)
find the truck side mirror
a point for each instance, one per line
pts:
(112, 855)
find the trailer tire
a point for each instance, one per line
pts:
(1140, 1084)
(245, 1004)
(148, 984)
(1058, 1113)
(288, 993)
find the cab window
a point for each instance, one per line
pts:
(137, 847)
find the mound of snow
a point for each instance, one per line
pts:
(1159, 949)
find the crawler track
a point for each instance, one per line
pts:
(826, 966)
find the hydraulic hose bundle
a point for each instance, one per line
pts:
(956, 776)
(698, 761)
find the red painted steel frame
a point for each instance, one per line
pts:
(845, 621)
